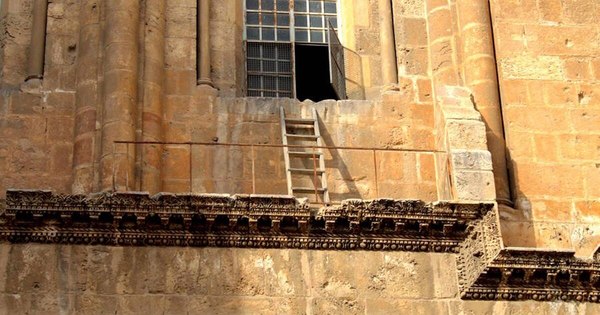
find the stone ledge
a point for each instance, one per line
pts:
(542, 275)
(486, 270)
(268, 221)
(489, 271)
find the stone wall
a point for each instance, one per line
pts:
(45, 149)
(549, 80)
(36, 123)
(64, 279)
(399, 120)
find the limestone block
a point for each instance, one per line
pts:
(25, 104)
(179, 82)
(551, 10)
(471, 307)
(423, 307)
(424, 90)
(518, 233)
(460, 113)
(585, 238)
(61, 158)
(474, 185)
(466, 134)
(180, 53)
(409, 8)
(427, 168)
(556, 180)
(32, 278)
(62, 103)
(95, 304)
(471, 160)
(233, 274)
(532, 67)
(325, 306)
(180, 22)
(553, 235)
(551, 210)
(136, 304)
(413, 60)
(581, 12)
(440, 24)
(4, 265)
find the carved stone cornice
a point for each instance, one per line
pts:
(489, 271)
(235, 221)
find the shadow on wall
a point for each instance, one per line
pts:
(516, 223)
(341, 166)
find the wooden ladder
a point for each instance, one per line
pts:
(304, 131)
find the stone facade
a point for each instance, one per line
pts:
(458, 103)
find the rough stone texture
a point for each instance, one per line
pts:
(63, 279)
(51, 138)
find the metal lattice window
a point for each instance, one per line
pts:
(311, 20)
(268, 20)
(269, 67)
(272, 27)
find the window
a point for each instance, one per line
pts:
(289, 51)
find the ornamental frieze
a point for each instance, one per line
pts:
(266, 221)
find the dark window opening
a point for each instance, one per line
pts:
(312, 73)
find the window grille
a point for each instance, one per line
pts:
(311, 19)
(272, 28)
(269, 67)
(268, 20)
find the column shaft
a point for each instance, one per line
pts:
(35, 67)
(86, 101)
(153, 85)
(120, 94)
(389, 67)
(203, 43)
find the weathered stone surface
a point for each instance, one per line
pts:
(52, 132)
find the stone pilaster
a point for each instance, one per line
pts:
(442, 56)
(120, 94)
(153, 95)
(86, 102)
(480, 75)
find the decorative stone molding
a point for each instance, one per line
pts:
(236, 221)
(488, 271)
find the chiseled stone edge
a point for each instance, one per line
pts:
(489, 271)
(270, 221)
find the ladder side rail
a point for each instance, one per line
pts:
(286, 157)
(321, 158)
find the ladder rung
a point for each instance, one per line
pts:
(300, 121)
(308, 189)
(306, 170)
(305, 154)
(290, 135)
